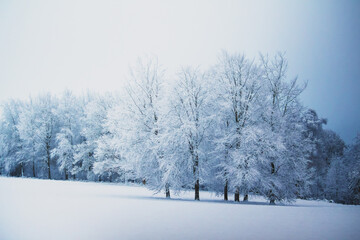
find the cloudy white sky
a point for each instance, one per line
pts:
(53, 45)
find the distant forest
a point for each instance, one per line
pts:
(237, 128)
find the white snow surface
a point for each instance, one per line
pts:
(49, 209)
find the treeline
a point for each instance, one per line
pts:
(237, 128)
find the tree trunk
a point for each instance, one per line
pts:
(66, 174)
(196, 176)
(237, 195)
(246, 197)
(272, 195)
(167, 190)
(21, 169)
(237, 189)
(226, 191)
(48, 159)
(272, 198)
(49, 173)
(33, 168)
(226, 187)
(197, 188)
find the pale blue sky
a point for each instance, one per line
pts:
(79, 45)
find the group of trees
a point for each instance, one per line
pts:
(238, 127)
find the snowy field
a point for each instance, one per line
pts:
(46, 209)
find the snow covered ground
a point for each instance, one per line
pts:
(47, 209)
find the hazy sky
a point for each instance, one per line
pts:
(53, 45)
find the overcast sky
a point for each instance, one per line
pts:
(53, 45)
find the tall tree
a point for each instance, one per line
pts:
(92, 128)
(237, 84)
(135, 128)
(284, 167)
(68, 114)
(146, 94)
(328, 146)
(11, 146)
(343, 181)
(37, 128)
(353, 161)
(193, 117)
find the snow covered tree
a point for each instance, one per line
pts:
(337, 184)
(111, 149)
(110, 162)
(144, 114)
(238, 128)
(134, 145)
(37, 128)
(299, 147)
(343, 176)
(353, 160)
(68, 114)
(284, 169)
(11, 146)
(328, 146)
(237, 85)
(92, 128)
(193, 116)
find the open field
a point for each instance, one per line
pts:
(47, 209)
